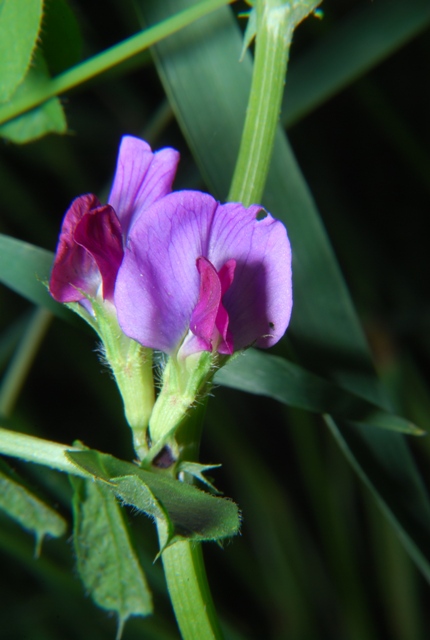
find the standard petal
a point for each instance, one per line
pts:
(99, 232)
(158, 284)
(141, 178)
(74, 268)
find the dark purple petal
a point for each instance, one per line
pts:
(158, 285)
(99, 232)
(141, 178)
(74, 268)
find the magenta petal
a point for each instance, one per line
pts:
(74, 268)
(99, 232)
(141, 178)
(204, 316)
(226, 275)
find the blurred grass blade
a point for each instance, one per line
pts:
(278, 378)
(386, 466)
(208, 90)
(27, 509)
(24, 268)
(19, 27)
(106, 561)
(365, 38)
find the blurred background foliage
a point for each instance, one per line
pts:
(316, 558)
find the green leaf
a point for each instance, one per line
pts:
(189, 513)
(61, 38)
(19, 28)
(27, 509)
(25, 268)
(106, 561)
(275, 377)
(48, 118)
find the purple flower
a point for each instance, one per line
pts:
(201, 276)
(90, 247)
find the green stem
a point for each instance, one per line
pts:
(39, 451)
(107, 59)
(183, 562)
(23, 360)
(189, 592)
(276, 21)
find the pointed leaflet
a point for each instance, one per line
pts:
(27, 509)
(106, 561)
(188, 512)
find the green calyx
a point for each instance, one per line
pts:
(185, 386)
(131, 364)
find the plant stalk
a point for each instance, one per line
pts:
(276, 21)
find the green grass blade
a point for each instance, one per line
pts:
(25, 268)
(386, 466)
(287, 382)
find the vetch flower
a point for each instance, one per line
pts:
(90, 247)
(202, 276)
(199, 281)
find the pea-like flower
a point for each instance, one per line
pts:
(90, 247)
(199, 276)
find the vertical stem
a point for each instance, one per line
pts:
(183, 563)
(276, 21)
(189, 591)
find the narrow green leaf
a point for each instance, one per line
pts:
(106, 561)
(275, 377)
(386, 466)
(25, 268)
(27, 509)
(48, 118)
(19, 28)
(193, 514)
